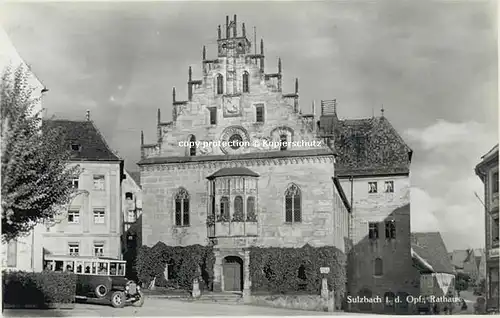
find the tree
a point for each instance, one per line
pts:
(462, 282)
(36, 178)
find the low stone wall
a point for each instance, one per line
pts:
(303, 302)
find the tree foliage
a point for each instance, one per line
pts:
(462, 281)
(187, 262)
(36, 178)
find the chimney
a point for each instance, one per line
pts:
(88, 115)
(159, 116)
(227, 27)
(243, 30)
(218, 33)
(279, 65)
(204, 53)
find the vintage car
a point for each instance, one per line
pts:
(98, 278)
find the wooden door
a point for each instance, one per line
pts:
(232, 277)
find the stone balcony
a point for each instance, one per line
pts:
(232, 229)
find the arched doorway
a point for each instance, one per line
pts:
(365, 306)
(232, 272)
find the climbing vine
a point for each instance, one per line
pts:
(186, 263)
(285, 270)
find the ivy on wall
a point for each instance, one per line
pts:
(288, 270)
(186, 264)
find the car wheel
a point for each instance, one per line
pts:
(118, 299)
(140, 301)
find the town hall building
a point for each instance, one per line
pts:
(242, 165)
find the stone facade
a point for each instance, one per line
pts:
(237, 195)
(487, 170)
(397, 274)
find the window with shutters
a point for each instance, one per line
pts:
(251, 215)
(12, 253)
(224, 209)
(246, 88)
(182, 208)
(293, 211)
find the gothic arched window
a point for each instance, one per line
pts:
(182, 208)
(220, 84)
(192, 146)
(246, 87)
(251, 216)
(378, 267)
(293, 211)
(224, 209)
(238, 209)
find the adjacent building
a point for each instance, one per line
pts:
(470, 262)
(17, 254)
(132, 219)
(373, 166)
(433, 267)
(240, 165)
(487, 170)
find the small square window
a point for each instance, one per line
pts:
(389, 187)
(372, 187)
(76, 147)
(99, 215)
(99, 182)
(129, 196)
(73, 216)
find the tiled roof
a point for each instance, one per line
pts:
(237, 171)
(136, 176)
(430, 247)
(458, 258)
(369, 146)
(84, 135)
(246, 156)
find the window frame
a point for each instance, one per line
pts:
(219, 84)
(71, 246)
(391, 183)
(96, 177)
(75, 182)
(370, 183)
(212, 115)
(245, 82)
(182, 196)
(261, 107)
(73, 212)
(293, 191)
(373, 227)
(376, 261)
(390, 231)
(96, 246)
(98, 210)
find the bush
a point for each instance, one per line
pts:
(287, 270)
(188, 263)
(38, 290)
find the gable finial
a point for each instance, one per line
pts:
(142, 137)
(87, 115)
(204, 53)
(382, 111)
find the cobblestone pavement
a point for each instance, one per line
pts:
(165, 307)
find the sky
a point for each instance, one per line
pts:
(431, 64)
